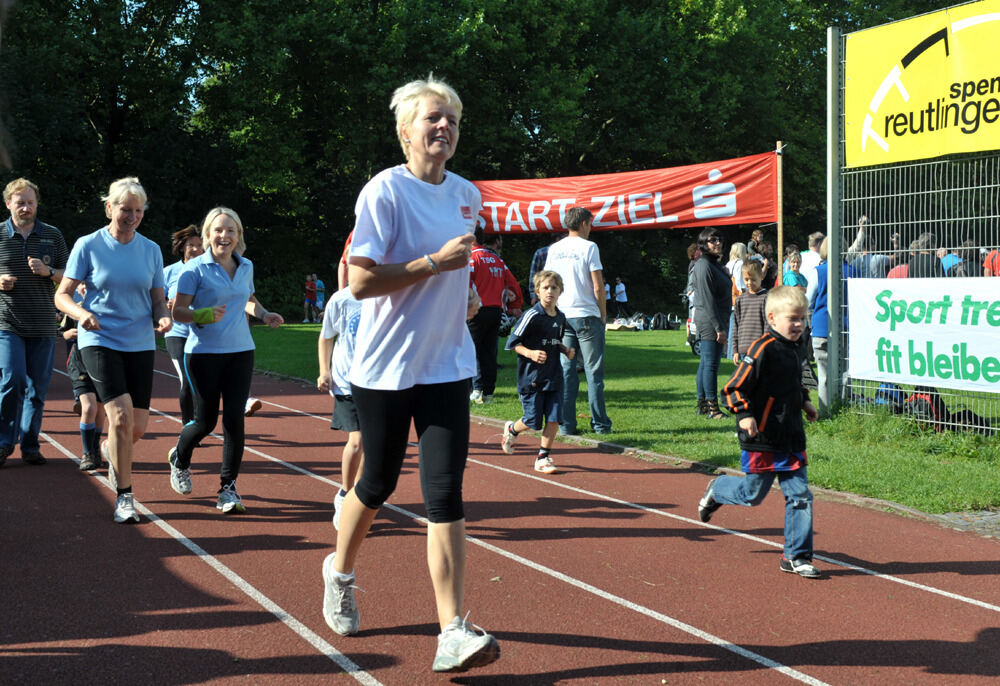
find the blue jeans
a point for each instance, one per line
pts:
(586, 335)
(708, 369)
(25, 370)
(753, 488)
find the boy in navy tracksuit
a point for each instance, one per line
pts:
(537, 340)
(766, 395)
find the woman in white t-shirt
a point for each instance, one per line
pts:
(413, 360)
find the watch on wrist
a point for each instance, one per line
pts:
(52, 272)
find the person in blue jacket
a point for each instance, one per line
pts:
(214, 295)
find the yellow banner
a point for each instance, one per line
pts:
(924, 87)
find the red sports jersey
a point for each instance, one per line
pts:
(491, 276)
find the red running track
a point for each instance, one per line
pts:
(599, 575)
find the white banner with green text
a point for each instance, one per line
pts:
(931, 332)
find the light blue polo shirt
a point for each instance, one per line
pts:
(171, 273)
(118, 278)
(210, 285)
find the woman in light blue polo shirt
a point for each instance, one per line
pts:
(214, 295)
(118, 320)
(186, 244)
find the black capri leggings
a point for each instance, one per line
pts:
(214, 377)
(175, 347)
(440, 414)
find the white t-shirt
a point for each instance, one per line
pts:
(341, 318)
(620, 293)
(574, 258)
(416, 335)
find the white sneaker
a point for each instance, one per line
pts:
(252, 406)
(180, 479)
(338, 502)
(476, 397)
(340, 610)
(545, 465)
(230, 501)
(461, 646)
(507, 442)
(125, 509)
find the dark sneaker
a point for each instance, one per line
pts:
(229, 501)
(5, 452)
(707, 505)
(802, 566)
(89, 462)
(33, 457)
(462, 646)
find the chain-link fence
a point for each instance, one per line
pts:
(890, 220)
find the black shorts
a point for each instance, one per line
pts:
(115, 373)
(77, 372)
(345, 414)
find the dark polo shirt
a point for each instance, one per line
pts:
(29, 310)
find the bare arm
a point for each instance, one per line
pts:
(597, 278)
(325, 350)
(370, 280)
(65, 303)
(255, 309)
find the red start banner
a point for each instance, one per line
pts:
(738, 191)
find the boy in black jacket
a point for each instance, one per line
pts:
(766, 395)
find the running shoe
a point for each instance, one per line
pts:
(338, 502)
(476, 397)
(33, 457)
(253, 405)
(230, 501)
(5, 452)
(180, 479)
(545, 465)
(125, 509)
(707, 505)
(89, 462)
(340, 610)
(802, 566)
(462, 646)
(507, 443)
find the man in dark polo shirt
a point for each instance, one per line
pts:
(32, 258)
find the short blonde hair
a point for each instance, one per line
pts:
(738, 251)
(406, 100)
(241, 245)
(19, 186)
(782, 298)
(544, 275)
(121, 189)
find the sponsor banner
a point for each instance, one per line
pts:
(931, 332)
(737, 191)
(924, 87)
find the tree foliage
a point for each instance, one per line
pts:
(280, 110)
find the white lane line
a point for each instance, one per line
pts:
(748, 537)
(266, 402)
(576, 583)
(686, 520)
(311, 637)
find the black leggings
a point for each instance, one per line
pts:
(175, 347)
(215, 377)
(440, 414)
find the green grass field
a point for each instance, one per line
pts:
(650, 396)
